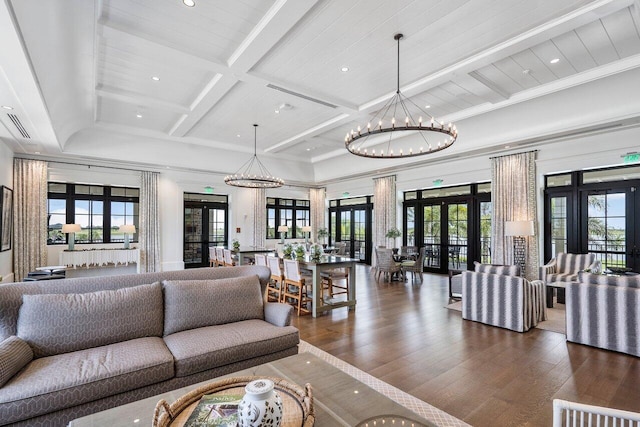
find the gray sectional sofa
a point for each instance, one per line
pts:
(72, 347)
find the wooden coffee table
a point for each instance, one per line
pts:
(339, 399)
(550, 287)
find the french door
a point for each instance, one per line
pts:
(351, 224)
(446, 235)
(205, 224)
(608, 226)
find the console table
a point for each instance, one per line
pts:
(99, 257)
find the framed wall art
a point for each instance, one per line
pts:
(6, 226)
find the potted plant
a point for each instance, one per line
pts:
(287, 250)
(322, 234)
(300, 251)
(393, 233)
(236, 245)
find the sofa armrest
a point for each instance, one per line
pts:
(15, 354)
(548, 268)
(595, 267)
(278, 314)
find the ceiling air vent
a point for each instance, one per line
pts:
(299, 95)
(18, 124)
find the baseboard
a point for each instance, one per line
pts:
(8, 278)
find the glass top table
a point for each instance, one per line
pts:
(339, 399)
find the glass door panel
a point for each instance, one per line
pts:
(205, 225)
(607, 227)
(457, 231)
(485, 232)
(411, 226)
(193, 236)
(432, 236)
(558, 219)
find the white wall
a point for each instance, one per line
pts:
(6, 178)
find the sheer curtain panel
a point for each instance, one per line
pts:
(149, 223)
(384, 210)
(29, 216)
(513, 197)
(317, 198)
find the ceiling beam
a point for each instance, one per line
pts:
(139, 100)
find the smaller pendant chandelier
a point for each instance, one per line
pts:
(435, 135)
(249, 176)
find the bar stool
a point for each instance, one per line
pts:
(295, 287)
(275, 288)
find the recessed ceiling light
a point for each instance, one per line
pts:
(308, 149)
(36, 152)
(277, 111)
(155, 78)
(189, 3)
(507, 146)
(526, 71)
(344, 69)
(139, 115)
(238, 135)
(427, 106)
(7, 107)
(554, 61)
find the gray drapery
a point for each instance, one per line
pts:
(384, 211)
(259, 203)
(513, 197)
(29, 216)
(317, 197)
(149, 233)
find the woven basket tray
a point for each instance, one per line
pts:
(297, 402)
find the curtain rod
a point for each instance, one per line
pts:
(512, 154)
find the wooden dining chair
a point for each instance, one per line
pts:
(274, 291)
(213, 261)
(228, 259)
(295, 287)
(219, 257)
(260, 259)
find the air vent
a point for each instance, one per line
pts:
(299, 95)
(18, 124)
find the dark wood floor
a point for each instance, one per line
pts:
(402, 334)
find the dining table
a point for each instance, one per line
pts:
(249, 251)
(326, 263)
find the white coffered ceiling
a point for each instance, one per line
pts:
(75, 68)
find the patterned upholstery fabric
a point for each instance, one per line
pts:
(604, 311)
(507, 270)
(199, 349)
(15, 354)
(11, 293)
(50, 383)
(278, 314)
(506, 301)
(565, 267)
(191, 304)
(55, 324)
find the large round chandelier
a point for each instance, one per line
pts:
(253, 174)
(400, 117)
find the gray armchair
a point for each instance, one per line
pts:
(386, 264)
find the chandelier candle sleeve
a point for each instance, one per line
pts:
(435, 137)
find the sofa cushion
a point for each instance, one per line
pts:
(15, 354)
(603, 279)
(506, 270)
(61, 323)
(52, 383)
(190, 304)
(561, 277)
(573, 263)
(200, 349)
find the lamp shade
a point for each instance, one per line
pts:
(518, 228)
(306, 229)
(128, 228)
(283, 229)
(71, 228)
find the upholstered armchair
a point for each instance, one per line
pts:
(386, 264)
(604, 311)
(565, 268)
(494, 295)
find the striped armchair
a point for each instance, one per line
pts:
(604, 311)
(565, 267)
(503, 300)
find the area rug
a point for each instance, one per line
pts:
(555, 317)
(423, 409)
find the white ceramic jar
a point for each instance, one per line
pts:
(260, 406)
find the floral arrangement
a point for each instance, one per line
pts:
(236, 245)
(287, 250)
(316, 251)
(393, 233)
(300, 251)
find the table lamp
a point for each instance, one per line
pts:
(282, 229)
(71, 229)
(306, 229)
(519, 230)
(127, 229)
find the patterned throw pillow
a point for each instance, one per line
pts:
(505, 270)
(15, 354)
(60, 323)
(191, 304)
